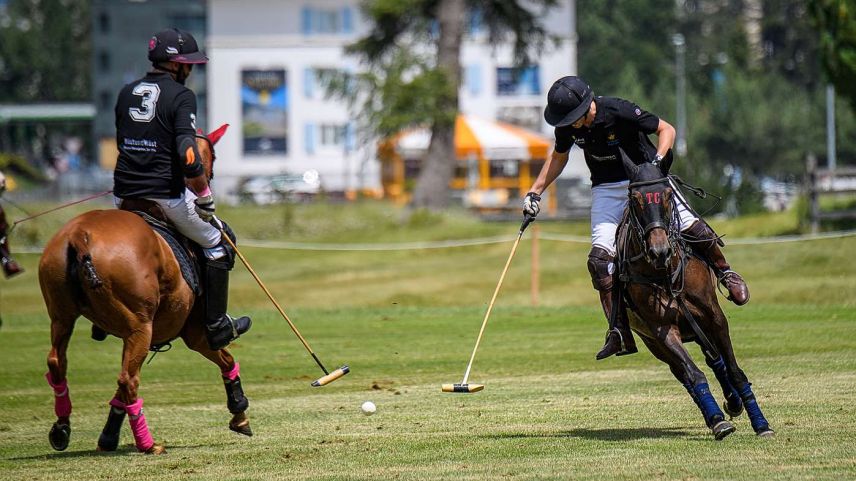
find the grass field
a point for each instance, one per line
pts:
(406, 321)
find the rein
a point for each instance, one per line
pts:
(672, 279)
(672, 282)
(63, 206)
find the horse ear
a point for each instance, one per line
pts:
(630, 168)
(215, 135)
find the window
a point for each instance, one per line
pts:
(105, 99)
(332, 135)
(104, 22)
(104, 61)
(518, 81)
(316, 20)
(473, 80)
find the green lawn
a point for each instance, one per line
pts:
(406, 322)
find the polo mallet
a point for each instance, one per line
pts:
(464, 386)
(328, 376)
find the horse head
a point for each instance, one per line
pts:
(205, 145)
(651, 209)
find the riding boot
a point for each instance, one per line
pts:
(619, 338)
(221, 328)
(10, 267)
(706, 245)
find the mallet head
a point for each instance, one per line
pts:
(322, 381)
(463, 388)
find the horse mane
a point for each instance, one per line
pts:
(646, 172)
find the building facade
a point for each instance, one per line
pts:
(121, 30)
(267, 59)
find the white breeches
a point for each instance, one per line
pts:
(183, 216)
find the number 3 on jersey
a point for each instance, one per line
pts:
(150, 93)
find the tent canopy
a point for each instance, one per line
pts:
(481, 139)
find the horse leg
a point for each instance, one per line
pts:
(62, 326)
(670, 337)
(134, 353)
(740, 382)
(236, 402)
(660, 353)
(733, 405)
(108, 440)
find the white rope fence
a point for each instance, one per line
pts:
(481, 241)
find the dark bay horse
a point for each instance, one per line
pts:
(671, 299)
(110, 267)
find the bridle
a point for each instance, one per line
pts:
(671, 279)
(670, 225)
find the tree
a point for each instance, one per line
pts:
(45, 51)
(412, 52)
(835, 21)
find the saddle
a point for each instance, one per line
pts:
(186, 252)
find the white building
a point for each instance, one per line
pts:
(262, 80)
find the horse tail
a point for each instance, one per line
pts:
(79, 260)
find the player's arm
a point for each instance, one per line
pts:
(556, 163)
(665, 138)
(185, 130)
(649, 124)
(550, 171)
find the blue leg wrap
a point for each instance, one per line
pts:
(732, 397)
(759, 422)
(707, 404)
(689, 387)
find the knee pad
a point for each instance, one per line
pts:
(601, 267)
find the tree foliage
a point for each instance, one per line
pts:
(835, 21)
(412, 58)
(45, 51)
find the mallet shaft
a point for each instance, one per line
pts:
(490, 306)
(270, 296)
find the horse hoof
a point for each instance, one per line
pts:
(766, 433)
(722, 429)
(240, 424)
(107, 443)
(59, 436)
(155, 449)
(106, 448)
(732, 413)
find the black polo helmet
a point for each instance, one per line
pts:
(567, 101)
(174, 45)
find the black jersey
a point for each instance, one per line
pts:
(151, 114)
(617, 123)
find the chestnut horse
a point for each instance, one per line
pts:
(110, 267)
(671, 299)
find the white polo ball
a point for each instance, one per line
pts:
(368, 408)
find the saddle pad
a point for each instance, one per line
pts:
(189, 268)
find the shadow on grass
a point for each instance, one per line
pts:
(128, 450)
(604, 434)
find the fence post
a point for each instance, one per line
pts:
(813, 206)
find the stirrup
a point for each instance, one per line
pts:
(609, 349)
(225, 330)
(732, 276)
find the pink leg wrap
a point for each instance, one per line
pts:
(137, 420)
(233, 373)
(62, 400)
